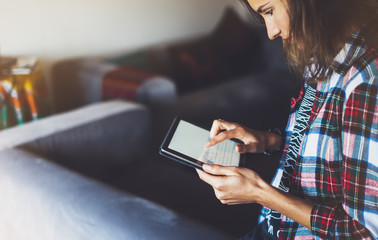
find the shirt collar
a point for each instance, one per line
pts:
(353, 49)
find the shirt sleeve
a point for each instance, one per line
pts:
(357, 217)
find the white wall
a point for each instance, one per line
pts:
(56, 29)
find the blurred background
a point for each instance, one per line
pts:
(56, 29)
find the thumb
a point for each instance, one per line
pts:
(218, 170)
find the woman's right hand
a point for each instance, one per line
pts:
(254, 141)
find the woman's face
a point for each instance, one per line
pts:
(275, 15)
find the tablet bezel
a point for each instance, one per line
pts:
(182, 158)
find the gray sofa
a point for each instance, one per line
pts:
(43, 198)
(258, 100)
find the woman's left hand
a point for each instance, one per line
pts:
(233, 185)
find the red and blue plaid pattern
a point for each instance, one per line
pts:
(337, 163)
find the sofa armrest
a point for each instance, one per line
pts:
(42, 200)
(110, 131)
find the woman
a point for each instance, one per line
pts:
(327, 184)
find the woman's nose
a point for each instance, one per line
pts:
(272, 31)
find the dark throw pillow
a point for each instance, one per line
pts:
(230, 51)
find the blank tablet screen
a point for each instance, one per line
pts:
(189, 140)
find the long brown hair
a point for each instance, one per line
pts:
(320, 29)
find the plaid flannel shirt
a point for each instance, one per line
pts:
(337, 163)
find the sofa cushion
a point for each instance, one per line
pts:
(139, 60)
(151, 59)
(135, 85)
(237, 46)
(230, 51)
(124, 82)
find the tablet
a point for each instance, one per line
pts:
(185, 142)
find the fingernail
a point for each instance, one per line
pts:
(206, 167)
(207, 144)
